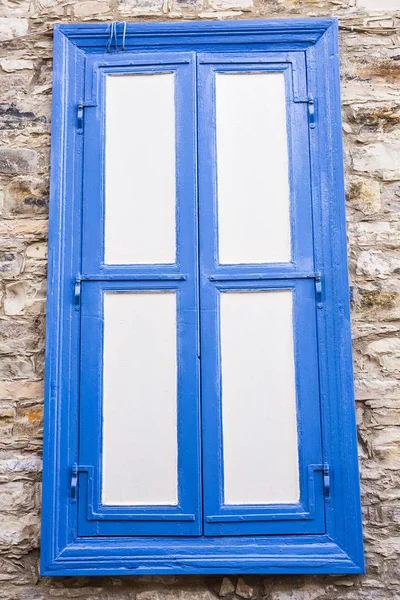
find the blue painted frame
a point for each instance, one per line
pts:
(339, 549)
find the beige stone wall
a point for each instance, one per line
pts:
(370, 55)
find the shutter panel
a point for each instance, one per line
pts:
(139, 459)
(260, 392)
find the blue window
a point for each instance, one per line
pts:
(199, 399)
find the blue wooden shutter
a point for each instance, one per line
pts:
(98, 279)
(297, 275)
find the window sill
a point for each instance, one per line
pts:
(149, 556)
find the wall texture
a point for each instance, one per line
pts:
(370, 54)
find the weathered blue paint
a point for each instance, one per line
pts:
(322, 534)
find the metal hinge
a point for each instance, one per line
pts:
(75, 470)
(318, 289)
(74, 481)
(79, 114)
(311, 107)
(326, 479)
(79, 119)
(77, 291)
(324, 467)
(312, 117)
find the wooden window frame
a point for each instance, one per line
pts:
(340, 549)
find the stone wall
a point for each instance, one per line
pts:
(370, 54)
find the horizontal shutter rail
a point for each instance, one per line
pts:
(261, 276)
(150, 277)
(93, 511)
(134, 277)
(308, 512)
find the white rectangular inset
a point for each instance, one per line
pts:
(140, 399)
(253, 176)
(140, 169)
(259, 419)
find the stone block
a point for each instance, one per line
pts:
(385, 413)
(21, 532)
(91, 8)
(378, 234)
(164, 593)
(244, 590)
(364, 195)
(368, 387)
(387, 352)
(381, 159)
(9, 65)
(7, 411)
(377, 299)
(50, 7)
(13, 118)
(17, 160)
(10, 264)
(391, 199)
(28, 425)
(377, 264)
(12, 27)
(306, 592)
(375, 117)
(36, 269)
(16, 496)
(14, 86)
(24, 335)
(25, 297)
(15, 299)
(226, 588)
(23, 465)
(379, 5)
(17, 8)
(37, 251)
(21, 390)
(386, 446)
(140, 7)
(12, 367)
(231, 4)
(26, 229)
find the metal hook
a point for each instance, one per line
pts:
(113, 35)
(123, 36)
